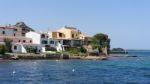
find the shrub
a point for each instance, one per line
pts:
(31, 49)
(76, 50)
(73, 51)
(8, 45)
(82, 50)
(50, 49)
(2, 49)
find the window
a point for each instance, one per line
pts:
(30, 41)
(60, 34)
(55, 43)
(15, 30)
(24, 41)
(3, 32)
(72, 35)
(23, 34)
(44, 42)
(51, 42)
(42, 36)
(15, 47)
(66, 42)
(76, 43)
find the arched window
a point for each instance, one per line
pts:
(30, 41)
(15, 47)
(42, 36)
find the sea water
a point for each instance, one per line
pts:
(115, 70)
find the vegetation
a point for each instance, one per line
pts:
(2, 49)
(82, 50)
(77, 51)
(100, 41)
(50, 49)
(73, 51)
(31, 49)
(118, 49)
(8, 45)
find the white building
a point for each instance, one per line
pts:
(21, 47)
(36, 37)
(45, 40)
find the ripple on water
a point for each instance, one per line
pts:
(113, 71)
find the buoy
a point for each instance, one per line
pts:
(73, 70)
(14, 72)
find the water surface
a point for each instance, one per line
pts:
(116, 70)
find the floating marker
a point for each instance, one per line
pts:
(14, 72)
(73, 70)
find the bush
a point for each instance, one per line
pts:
(76, 50)
(31, 50)
(50, 49)
(73, 51)
(2, 49)
(83, 50)
(8, 45)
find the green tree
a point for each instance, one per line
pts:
(100, 41)
(8, 45)
(82, 49)
(2, 49)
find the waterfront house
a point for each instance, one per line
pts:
(9, 30)
(44, 39)
(23, 37)
(70, 32)
(73, 36)
(25, 29)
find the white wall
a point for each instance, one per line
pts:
(54, 44)
(36, 37)
(19, 48)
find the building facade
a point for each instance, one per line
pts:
(10, 31)
(23, 36)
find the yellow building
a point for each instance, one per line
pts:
(70, 32)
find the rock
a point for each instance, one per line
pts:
(94, 58)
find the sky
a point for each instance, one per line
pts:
(127, 22)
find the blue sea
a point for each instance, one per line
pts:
(115, 70)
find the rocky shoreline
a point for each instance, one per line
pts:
(31, 56)
(121, 55)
